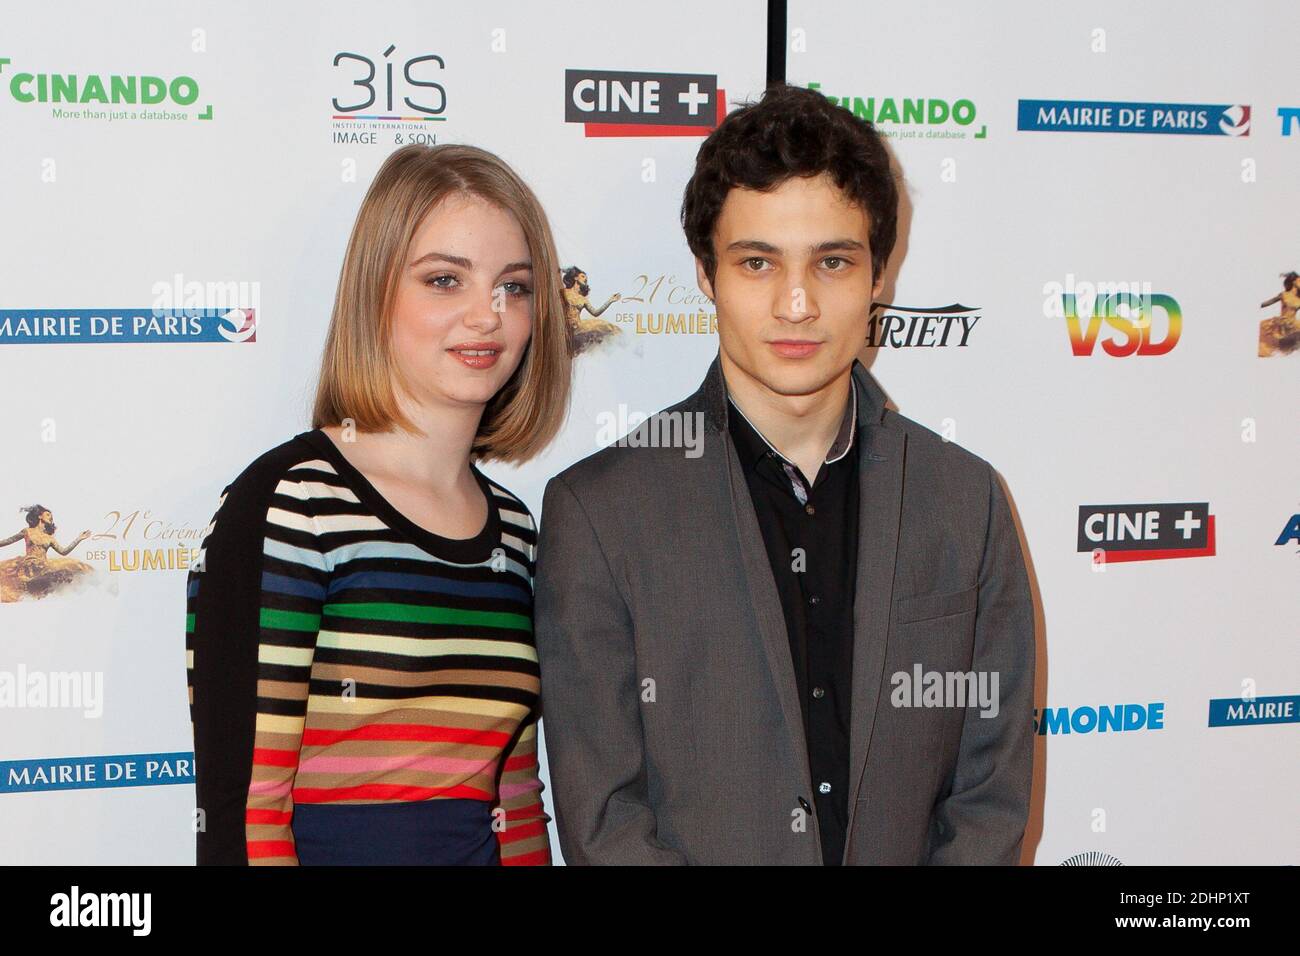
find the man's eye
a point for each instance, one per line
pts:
(833, 259)
(755, 259)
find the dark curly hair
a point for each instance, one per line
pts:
(790, 132)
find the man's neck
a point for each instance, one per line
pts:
(800, 427)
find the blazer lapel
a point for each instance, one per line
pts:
(880, 475)
(881, 451)
(766, 602)
(762, 596)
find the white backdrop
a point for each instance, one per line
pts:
(994, 222)
(134, 436)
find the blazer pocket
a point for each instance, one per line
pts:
(924, 607)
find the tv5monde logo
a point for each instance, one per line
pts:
(1126, 318)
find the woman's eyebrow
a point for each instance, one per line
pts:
(467, 263)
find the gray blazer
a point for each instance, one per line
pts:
(670, 711)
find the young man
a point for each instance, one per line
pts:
(813, 642)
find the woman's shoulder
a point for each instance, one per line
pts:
(296, 470)
(278, 462)
(510, 506)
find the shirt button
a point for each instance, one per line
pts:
(814, 600)
(810, 509)
(819, 693)
(823, 787)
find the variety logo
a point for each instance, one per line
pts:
(901, 326)
(1236, 712)
(128, 326)
(1150, 532)
(1108, 718)
(76, 95)
(610, 103)
(1101, 116)
(394, 109)
(913, 118)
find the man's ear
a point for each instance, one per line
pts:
(703, 280)
(878, 287)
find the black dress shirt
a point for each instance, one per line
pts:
(810, 530)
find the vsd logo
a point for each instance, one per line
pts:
(1150, 532)
(1130, 316)
(610, 103)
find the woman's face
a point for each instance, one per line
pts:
(463, 309)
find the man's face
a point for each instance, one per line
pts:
(793, 287)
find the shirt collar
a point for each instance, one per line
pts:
(839, 447)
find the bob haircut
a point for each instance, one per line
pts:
(358, 370)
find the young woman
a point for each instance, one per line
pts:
(363, 679)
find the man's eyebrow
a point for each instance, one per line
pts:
(758, 245)
(468, 263)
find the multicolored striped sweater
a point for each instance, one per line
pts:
(338, 653)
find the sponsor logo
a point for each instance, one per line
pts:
(389, 98)
(107, 97)
(1291, 533)
(1280, 334)
(1146, 532)
(94, 773)
(907, 118)
(612, 103)
(126, 326)
(1103, 116)
(1108, 718)
(902, 326)
(1128, 311)
(1236, 711)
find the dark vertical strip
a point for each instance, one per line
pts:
(776, 41)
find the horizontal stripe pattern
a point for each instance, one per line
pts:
(384, 671)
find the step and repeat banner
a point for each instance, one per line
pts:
(1100, 217)
(166, 281)
(1094, 289)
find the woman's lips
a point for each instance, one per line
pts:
(477, 357)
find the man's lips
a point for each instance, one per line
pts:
(794, 348)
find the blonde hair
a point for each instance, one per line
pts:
(358, 367)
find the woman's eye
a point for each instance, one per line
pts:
(519, 289)
(436, 283)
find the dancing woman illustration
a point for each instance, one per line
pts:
(34, 573)
(1282, 332)
(584, 333)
